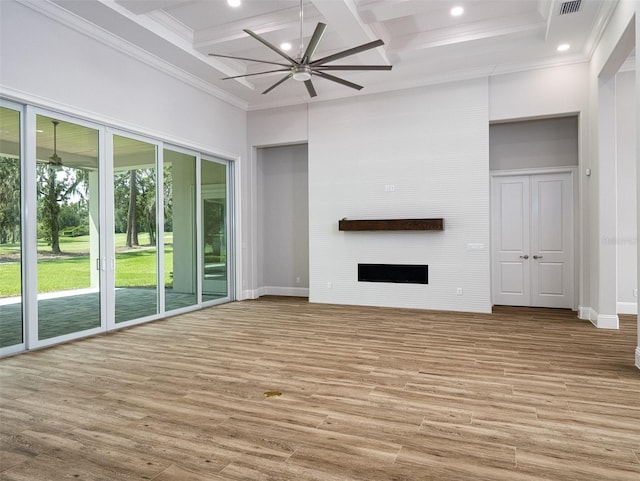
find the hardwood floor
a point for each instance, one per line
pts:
(366, 394)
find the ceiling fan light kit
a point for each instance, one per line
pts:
(303, 68)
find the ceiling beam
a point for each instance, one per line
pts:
(343, 18)
(138, 7)
(283, 19)
(467, 33)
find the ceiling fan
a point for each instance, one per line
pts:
(304, 67)
(54, 161)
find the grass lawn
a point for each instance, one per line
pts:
(78, 244)
(134, 267)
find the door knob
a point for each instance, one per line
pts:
(524, 257)
(537, 257)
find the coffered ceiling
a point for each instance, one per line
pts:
(422, 40)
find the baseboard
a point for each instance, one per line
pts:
(604, 321)
(601, 321)
(249, 294)
(627, 307)
(284, 291)
(638, 357)
(584, 313)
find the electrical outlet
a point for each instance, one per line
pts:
(329, 285)
(297, 280)
(635, 293)
(459, 291)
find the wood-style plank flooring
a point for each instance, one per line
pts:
(367, 394)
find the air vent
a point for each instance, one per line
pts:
(570, 7)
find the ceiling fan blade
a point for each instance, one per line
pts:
(346, 53)
(282, 80)
(310, 89)
(248, 59)
(270, 45)
(333, 78)
(352, 67)
(257, 73)
(313, 43)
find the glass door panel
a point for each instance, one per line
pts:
(68, 242)
(214, 213)
(135, 228)
(179, 178)
(11, 325)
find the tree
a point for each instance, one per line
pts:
(56, 184)
(132, 213)
(147, 203)
(9, 199)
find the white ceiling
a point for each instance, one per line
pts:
(423, 42)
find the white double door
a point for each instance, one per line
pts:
(533, 240)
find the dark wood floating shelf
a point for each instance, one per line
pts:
(391, 224)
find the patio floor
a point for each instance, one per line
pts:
(63, 313)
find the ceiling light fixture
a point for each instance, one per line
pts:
(301, 73)
(457, 11)
(286, 46)
(233, 3)
(563, 47)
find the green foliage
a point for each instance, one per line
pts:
(56, 185)
(9, 199)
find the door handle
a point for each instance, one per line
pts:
(537, 257)
(524, 257)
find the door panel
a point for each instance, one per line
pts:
(11, 321)
(68, 228)
(135, 229)
(180, 230)
(510, 218)
(552, 240)
(214, 222)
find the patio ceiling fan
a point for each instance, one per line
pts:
(303, 67)
(55, 159)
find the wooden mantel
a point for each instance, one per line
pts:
(391, 224)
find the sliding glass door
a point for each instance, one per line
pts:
(180, 246)
(11, 319)
(135, 228)
(102, 229)
(68, 227)
(214, 223)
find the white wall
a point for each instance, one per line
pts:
(408, 139)
(431, 145)
(283, 220)
(626, 235)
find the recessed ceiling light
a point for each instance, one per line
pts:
(285, 46)
(563, 47)
(234, 3)
(457, 11)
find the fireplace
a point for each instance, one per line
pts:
(395, 273)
